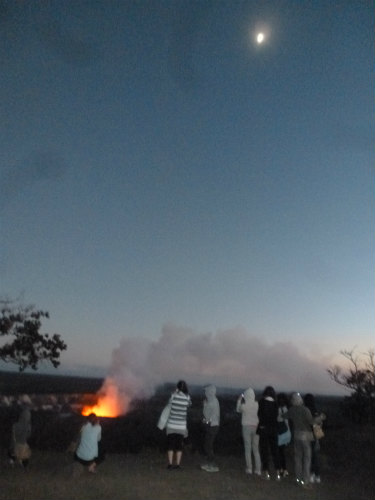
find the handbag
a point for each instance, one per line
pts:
(163, 419)
(282, 427)
(318, 431)
(22, 451)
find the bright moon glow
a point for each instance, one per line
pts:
(260, 37)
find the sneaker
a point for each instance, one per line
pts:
(278, 477)
(285, 473)
(169, 466)
(258, 473)
(267, 476)
(177, 467)
(248, 471)
(210, 468)
(317, 479)
(312, 478)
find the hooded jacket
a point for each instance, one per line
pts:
(301, 418)
(211, 407)
(248, 408)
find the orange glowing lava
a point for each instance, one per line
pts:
(103, 408)
(111, 403)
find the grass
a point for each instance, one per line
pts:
(135, 466)
(346, 461)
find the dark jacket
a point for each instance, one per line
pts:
(267, 414)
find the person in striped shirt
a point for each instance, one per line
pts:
(180, 401)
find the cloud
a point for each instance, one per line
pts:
(230, 358)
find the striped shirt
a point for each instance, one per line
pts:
(179, 402)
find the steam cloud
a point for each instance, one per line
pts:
(229, 358)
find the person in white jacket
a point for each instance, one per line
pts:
(248, 407)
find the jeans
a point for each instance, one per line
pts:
(209, 439)
(267, 444)
(315, 459)
(302, 459)
(282, 457)
(251, 445)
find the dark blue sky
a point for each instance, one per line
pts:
(159, 167)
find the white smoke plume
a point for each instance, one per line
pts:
(229, 358)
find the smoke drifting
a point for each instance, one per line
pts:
(229, 358)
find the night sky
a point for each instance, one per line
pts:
(163, 172)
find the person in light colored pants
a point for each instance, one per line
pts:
(302, 459)
(251, 445)
(248, 407)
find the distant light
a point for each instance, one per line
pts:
(260, 38)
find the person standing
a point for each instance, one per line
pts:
(20, 451)
(267, 430)
(211, 422)
(284, 436)
(248, 407)
(87, 452)
(302, 421)
(319, 417)
(179, 402)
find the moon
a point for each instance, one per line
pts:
(260, 38)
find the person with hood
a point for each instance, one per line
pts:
(267, 430)
(211, 422)
(21, 430)
(248, 407)
(302, 421)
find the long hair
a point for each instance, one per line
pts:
(309, 401)
(182, 386)
(269, 392)
(282, 400)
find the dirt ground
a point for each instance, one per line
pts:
(347, 474)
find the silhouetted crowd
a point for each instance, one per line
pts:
(269, 426)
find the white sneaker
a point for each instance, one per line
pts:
(210, 468)
(317, 479)
(248, 471)
(312, 478)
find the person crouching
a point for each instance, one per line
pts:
(87, 452)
